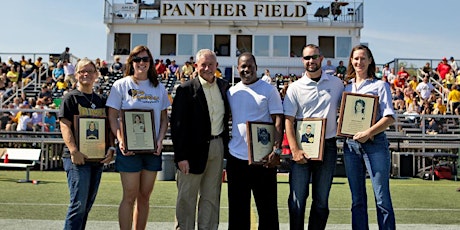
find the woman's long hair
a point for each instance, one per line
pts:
(371, 68)
(151, 73)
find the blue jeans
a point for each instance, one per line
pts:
(83, 182)
(375, 157)
(320, 174)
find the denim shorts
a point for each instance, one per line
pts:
(137, 162)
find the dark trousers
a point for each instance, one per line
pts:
(242, 179)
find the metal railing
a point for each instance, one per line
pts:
(36, 81)
(18, 90)
(416, 123)
(414, 66)
(405, 134)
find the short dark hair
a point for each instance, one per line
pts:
(313, 46)
(248, 54)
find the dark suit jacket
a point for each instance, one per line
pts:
(305, 137)
(191, 124)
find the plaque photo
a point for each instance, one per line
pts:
(138, 129)
(310, 134)
(261, 138)
(91, 136)
(357, 113)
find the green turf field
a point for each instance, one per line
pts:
(416, 201)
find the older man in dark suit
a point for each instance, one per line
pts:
(200, 133)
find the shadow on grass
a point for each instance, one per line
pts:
(287, 182)
(22, 181)
(341, 183)
(9, 180)
(403, 178)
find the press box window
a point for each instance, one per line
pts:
(280, 46)
(297, 44)
(185, 46)
(122, 44)
(244, 43)
(138, 39)
(261, 45)
(204, 42)
(343, 46)
(168, 44)
(222, 45)
(327, 45)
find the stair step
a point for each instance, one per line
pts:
(31, 94)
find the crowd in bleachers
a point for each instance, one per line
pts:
(14, 76)
(56, 78)
(37, 111)
(416, 92)
(426, 91)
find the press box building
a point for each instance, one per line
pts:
(274, 31)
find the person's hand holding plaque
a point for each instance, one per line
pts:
(271, 160)
(299, 156)
(363, 136)
(159, 148)
(122, 146)
(109, 155)
(306, 156)
(78, 158)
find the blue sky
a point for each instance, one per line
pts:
(393, 28)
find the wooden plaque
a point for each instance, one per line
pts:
(261, 138)
(138, 127)
(357, 113)
(91, 136)
(310, 133)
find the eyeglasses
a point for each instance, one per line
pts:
(86, 71)
(314, 57)
(139, 59)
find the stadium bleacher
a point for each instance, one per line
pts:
(405, 134)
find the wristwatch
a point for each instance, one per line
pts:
(278, 151)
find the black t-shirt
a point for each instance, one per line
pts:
(5, 70)
(45, 94)
(104, 71)
(78, 103)
(29, 68)
(4, 118)
(341, 69)
(426, 69)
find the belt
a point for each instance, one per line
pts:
(216, 137)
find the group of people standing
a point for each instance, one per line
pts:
(199, 120)
(139, 89)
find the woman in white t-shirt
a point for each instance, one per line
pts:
(139, 89)
(266, 77)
